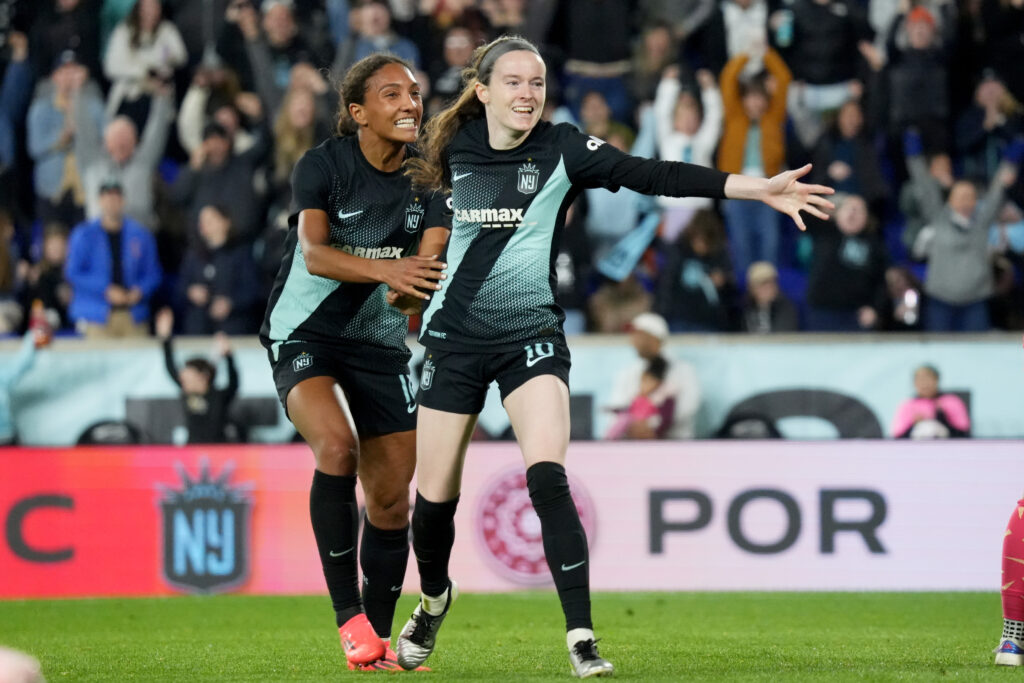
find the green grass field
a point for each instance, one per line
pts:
(649, 636)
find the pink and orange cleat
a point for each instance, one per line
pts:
(360, 643)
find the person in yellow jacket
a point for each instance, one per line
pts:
(753, 143)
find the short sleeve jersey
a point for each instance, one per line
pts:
(509, 212)
(371, 214)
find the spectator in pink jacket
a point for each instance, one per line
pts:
(931, 414)
(649, 414)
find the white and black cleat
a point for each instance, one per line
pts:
(419, 634)
(586, 662)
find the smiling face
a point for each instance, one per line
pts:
(392, 106)
(514, 98)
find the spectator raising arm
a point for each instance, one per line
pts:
(154, 136)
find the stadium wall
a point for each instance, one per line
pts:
(820, 386)
(823, 516)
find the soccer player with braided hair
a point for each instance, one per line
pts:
(338, 350)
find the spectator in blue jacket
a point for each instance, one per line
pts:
(113, 269)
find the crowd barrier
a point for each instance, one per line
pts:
(814, 387)
(685, 516)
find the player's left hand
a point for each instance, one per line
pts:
(786, 194)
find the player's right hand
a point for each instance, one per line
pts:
(412, 274)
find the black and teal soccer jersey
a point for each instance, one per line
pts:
(372, 215)
(509, 212)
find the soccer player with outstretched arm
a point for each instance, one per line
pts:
(512, 179)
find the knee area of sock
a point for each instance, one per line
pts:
(336, 487)
(392, 521)
(547, 484)
(428, 509)
(388, 518)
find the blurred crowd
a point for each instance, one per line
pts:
(146, 148)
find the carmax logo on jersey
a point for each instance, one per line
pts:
(491, 218)
(370, 252)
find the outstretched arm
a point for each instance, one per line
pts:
(783, 192)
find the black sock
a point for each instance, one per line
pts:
(335, 517)
(433, 534)
(565, 542)
(383, 555)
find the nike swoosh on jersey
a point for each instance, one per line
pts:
(530, 362)
(460, 176)
(349, 215)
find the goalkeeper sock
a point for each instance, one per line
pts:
(1014, 630)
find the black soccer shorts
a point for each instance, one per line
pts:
(381, 403)
(457, 382)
